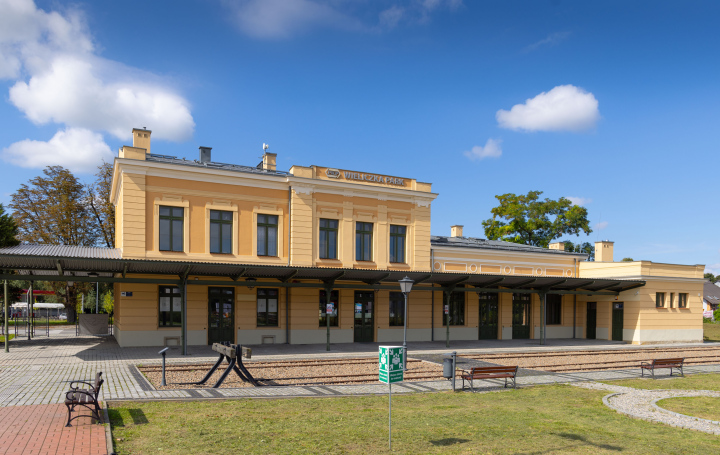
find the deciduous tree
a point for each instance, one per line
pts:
(527, 219)
(98, 201)
(585, 247)
(8, 229)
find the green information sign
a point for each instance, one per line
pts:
(391, 364)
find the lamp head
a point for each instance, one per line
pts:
(406, 285)
(250, 282)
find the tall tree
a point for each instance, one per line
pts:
(711, 277)
(98, 200)
(527, 219)
(8, 229)
(50, 210)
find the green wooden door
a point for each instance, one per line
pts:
(221, 315)
(364, 316)
(521, 316)
(488, 327)
(617, 322)
(591, 326)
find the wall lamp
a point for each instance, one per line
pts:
(250, 282)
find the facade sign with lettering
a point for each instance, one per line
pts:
(363, 177)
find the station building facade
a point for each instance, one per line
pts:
(322, 220)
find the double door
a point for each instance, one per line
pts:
(488, 327)
(364, 317)
(617, 321)
(521, 316)
(221, 315)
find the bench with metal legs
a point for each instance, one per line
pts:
(86, 397)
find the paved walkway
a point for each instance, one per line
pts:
(40, 430)
(642, 404)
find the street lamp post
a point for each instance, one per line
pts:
(405, 286)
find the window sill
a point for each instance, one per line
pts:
(365, 264)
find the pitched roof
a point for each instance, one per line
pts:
(471, 242)
(711, 292)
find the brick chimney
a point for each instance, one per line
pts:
(557, 246)
(604, 251)
(456, 231)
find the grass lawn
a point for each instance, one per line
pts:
(711, 331)
(2, 338)
(691, 382)
(545, 419)
(703, 407)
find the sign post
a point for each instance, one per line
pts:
(391, 363)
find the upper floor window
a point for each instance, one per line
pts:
(363, 241)
(553, 307)
(659, 300)
(682, 300)
(171, 228)
(267, 232)
(221, 231)
(397, 243)
(328, 238)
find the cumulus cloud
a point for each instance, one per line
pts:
(74, 148)
(564, 108)
(280, 19)
(578, 200)
(600, 225)
(491, 149)
(60, 79)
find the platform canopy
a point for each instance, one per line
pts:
(78, 263)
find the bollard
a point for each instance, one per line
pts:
(163, 366)
(454, 357)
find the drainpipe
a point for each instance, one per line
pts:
(289, 234)
(287, 289)
(543, 314)
(574, 302)
(432, 312)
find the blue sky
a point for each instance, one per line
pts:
(611, 103)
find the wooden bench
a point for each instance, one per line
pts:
(676, 363)
(479, 373)
(87, 397)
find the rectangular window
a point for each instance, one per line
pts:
(659, 300)
(171, 228)
(170, 307)
(221, 231)
(267, 307)
(328, 238)
(457, 309)
(682, 300)
(267, 231)
(397, 309)
(323, 308)
(553, 307)
(363, 241)
(397, 243)
(672, 299)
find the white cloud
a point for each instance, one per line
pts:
(579, 200)
(60, 79)
(713, 268)
(551, 40)
(600, 225)
(564, 108)
(77, 149)
(281, 19)
(491, 149)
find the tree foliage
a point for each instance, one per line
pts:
(527, 219)
(585, 247)
(51, 210)
(8, 229)
(628, 260)
(711, 277)
(98, 201)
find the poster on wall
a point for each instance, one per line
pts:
(164, 303)
(272, 306)
(177, 305)
(358, 308)
(262, 306)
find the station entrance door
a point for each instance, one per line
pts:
(363, 312)
(221, 315)
(488, 327)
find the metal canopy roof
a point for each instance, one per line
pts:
(48, 263)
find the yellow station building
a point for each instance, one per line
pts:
(321, 220)
(255, 255)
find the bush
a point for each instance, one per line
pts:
(716, 314)
(707, 320)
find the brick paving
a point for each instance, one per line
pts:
(41, 430)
